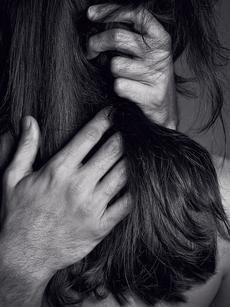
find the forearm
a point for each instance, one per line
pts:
(20, 285)
(16, 292)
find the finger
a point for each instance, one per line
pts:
(22, 164)
(116, 213)
(143, 95)
(104, 159)
(79, 147)
(112, 184)
(115, 39)
(130, 68)
(133, 90)
(143, 21)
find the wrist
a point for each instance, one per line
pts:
(22, 265)
(22, 281)
(18, 289)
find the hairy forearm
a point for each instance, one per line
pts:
(16, 291)
(19, 286)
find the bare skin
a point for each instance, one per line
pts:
(145, 74)
(215, 293)
(153, 90)
(147, 79)
(55, 216)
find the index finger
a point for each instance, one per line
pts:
(78, 148)
(144, 22)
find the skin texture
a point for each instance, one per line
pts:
(20, 183)
(212, 294)
(55, 216)
(216, 288)
(148, 77)
(161, 112)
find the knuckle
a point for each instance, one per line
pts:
(77, 187)
(122, 172)
(81, 188)
(117, 184)
(55, 172)
(85, 210)
(167, 40)
(120, 176)
(146, 15)
(117, 36)
(115, 65)
(108, 191)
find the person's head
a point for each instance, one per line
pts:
(168, 242)
(44, 71)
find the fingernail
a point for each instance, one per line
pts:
(91, 12)
(27, 123)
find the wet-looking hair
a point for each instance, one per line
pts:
(168, 243)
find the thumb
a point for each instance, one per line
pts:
(26, 152)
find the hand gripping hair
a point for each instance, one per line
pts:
(168, 243)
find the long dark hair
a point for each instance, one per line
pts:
(168, 242)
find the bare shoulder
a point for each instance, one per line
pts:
(223, 173)
(222, 297)
(214, 293)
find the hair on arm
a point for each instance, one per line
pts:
(168, 242)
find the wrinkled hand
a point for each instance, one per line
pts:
(57, 215)
(146, 76)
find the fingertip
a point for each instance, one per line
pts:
(104, 116)
(27, 148)
(30, 130)
(91, 13)
(120, 86)
(106, 112)
(26, 122)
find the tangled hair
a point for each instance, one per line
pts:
(168, 242)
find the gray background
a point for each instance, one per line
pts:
(193, 115)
